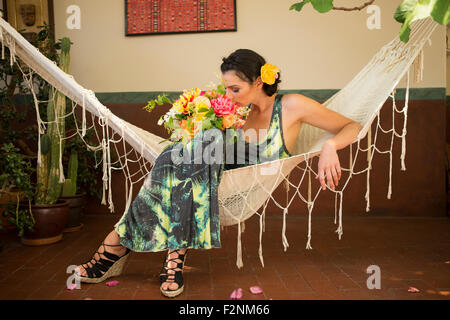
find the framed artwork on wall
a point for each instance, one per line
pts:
(27, 15)
(151, 17)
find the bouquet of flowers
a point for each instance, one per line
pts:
(198, 110)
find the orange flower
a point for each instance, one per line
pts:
(189, 131)
(227, 121)
(183, 124)
(189, 134)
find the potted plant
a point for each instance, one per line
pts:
(46, 211)
(18, 158)
(16, 186)
(49, 210)
(48, 189)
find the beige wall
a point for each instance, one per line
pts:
(314, 51)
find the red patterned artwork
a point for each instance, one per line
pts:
(174, 16)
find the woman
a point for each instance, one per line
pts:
(178, 210)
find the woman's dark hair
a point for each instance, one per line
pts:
(247, 65)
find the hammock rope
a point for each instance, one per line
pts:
(242, 191)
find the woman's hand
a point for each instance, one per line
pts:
(329, 166)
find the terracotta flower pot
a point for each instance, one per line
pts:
(50, 223)
(77, 203)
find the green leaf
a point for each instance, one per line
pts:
(150, 106)
(409, 11)
(404, 33)
(162, 141)
(218, 122)
(206, 124)
(322, 5)
(404, 9)
(441, 12)
(166, 99)
(203, 109)
(160, 100)
(299, 5)
(221, 89)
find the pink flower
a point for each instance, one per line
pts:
(112, 283)
(72, 286)
(413, 290)
(240, 123)
(256, 290)
(236, 294)
(223, 106)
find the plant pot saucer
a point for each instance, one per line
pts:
(41, 241)
(73, 229)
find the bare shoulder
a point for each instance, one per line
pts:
(298, 100)
(297, 104)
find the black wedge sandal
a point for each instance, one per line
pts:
(103, 269)
(176, 277)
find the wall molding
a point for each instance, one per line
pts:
(316, 94)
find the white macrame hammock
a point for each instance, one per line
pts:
(242, 191)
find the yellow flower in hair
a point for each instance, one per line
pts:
(269, 73)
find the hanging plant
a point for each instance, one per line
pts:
(406, 13)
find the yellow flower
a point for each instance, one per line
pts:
(204, 100)
(182, 104)
(179, 106)
(201, 102)
(191, 94)
(269, 73)
(199, 117)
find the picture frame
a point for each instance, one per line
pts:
(27, 15)
(157, 17)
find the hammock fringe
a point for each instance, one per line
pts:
(361, 100)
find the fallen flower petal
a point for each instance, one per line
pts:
(256, 290)
(413, 290)
(112, 283)
(87, 298)
(236, 294)
(71, 286)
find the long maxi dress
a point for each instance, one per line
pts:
(177, 206)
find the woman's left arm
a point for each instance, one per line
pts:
(346, 130)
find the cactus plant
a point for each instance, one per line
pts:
(52, 145)
(70, 184)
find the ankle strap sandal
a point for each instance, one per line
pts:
(176, 277)
(103, 269)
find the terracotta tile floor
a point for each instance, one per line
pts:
(410, 252)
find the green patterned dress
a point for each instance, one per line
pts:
(177, 206)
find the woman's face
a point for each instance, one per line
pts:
(239, 91)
